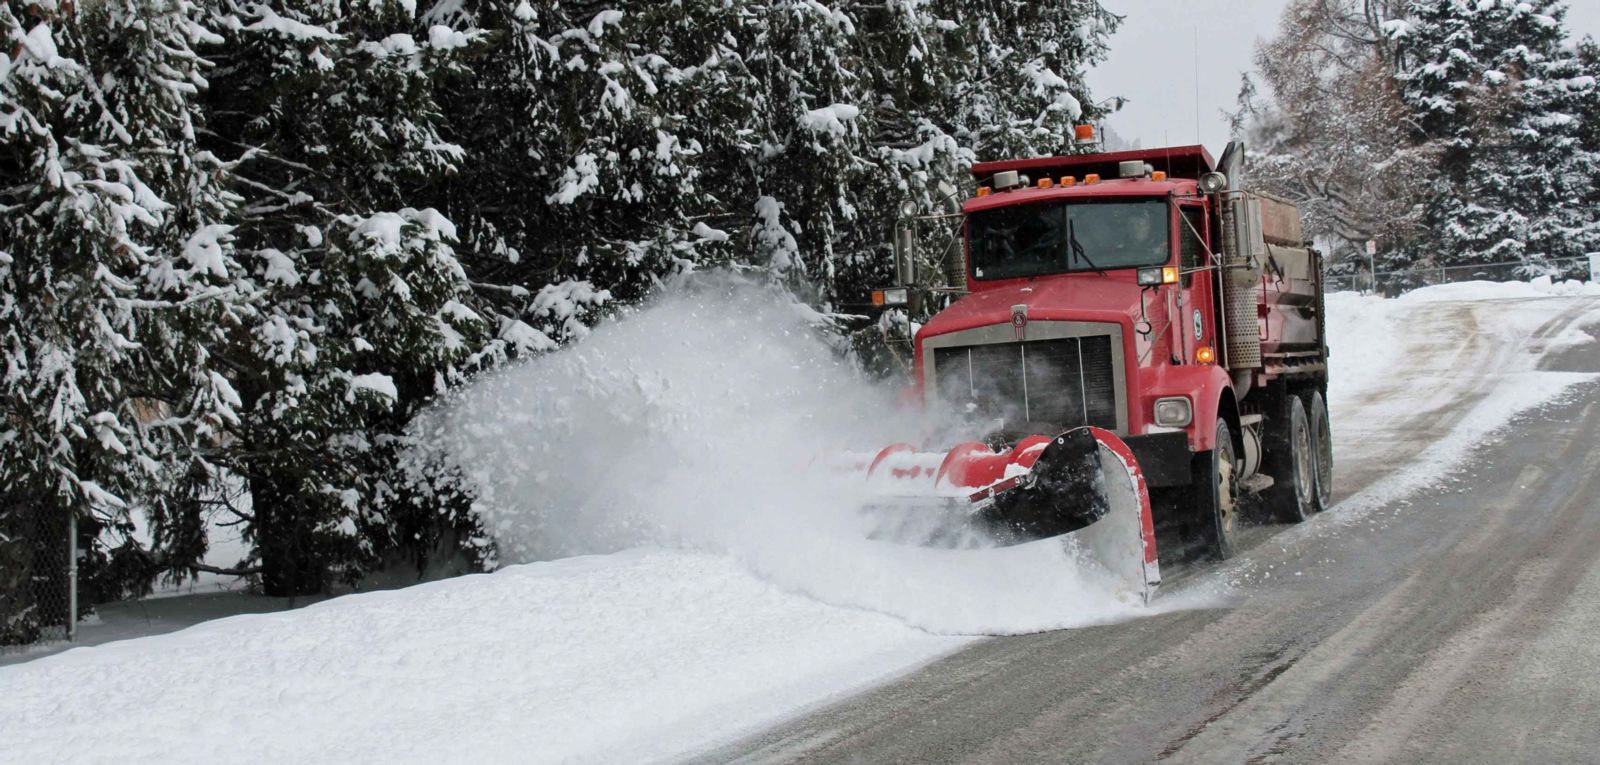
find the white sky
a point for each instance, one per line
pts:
(1153, 63)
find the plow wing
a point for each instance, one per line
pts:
(1082, 485)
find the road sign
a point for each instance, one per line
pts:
(1372, 247)
(1594, 267)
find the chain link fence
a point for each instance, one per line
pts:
(1392, 283)
(38, 576)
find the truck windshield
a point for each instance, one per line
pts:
(1053, 238)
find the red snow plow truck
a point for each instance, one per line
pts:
(1135, 342)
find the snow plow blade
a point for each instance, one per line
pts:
(1082, 485)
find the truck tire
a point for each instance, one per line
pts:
(1322, 452)
(1289, 459)
(1216, 493)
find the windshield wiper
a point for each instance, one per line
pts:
(1077, 249)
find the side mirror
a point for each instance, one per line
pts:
(951, 197)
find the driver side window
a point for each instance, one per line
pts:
(1193, 251)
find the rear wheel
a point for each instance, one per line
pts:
(1216, 493)
(1322, 453)
(1291, 463)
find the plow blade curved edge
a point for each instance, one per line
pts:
(1082, 486)
(1085, 487)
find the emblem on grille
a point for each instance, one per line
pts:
(1019, 320)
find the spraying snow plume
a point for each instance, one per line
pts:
(685, 423)
(697, 422)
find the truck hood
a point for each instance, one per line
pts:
(1088, 297)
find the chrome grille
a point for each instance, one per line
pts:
(1067, 382)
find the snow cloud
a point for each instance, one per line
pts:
(711, 420)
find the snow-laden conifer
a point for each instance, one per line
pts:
(1497, 85)
(113, 270)
(361, 310)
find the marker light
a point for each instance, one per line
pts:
(1045, 183)
(983, 191)
(1158, 175)
(1091, 179)
(1205, 355)
(893, 296)
(1150, 277)
(1067, 180)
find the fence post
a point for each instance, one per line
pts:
(72, 576)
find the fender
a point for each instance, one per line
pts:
(1204, 384)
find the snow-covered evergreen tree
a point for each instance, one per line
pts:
(1589, 117)
(253, 239)
(111, 270)
(360, 307)
(610, 145)
(1494, 82)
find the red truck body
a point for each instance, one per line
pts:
(1139, 344)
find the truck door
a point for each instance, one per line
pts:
(1195, 322)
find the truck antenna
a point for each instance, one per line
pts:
(1196, 30)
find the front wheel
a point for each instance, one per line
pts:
(1216, 492)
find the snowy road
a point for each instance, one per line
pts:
(1448, 623)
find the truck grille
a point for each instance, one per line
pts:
(1066, 382)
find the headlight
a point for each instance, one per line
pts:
(1173, 412)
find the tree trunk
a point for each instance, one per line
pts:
(290, 565)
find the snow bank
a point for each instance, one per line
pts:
(1366, 332)
(622, 658)
(1432, 349)
(1363, 344)
(1543, 286)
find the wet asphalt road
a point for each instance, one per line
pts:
(1460, 624)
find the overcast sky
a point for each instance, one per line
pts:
(1153, 63)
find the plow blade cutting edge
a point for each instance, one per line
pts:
(1082, 485)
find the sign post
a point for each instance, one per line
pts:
(1372, 270)
(1594, 267)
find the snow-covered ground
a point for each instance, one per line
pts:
(687, 578)
(1420, 380)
